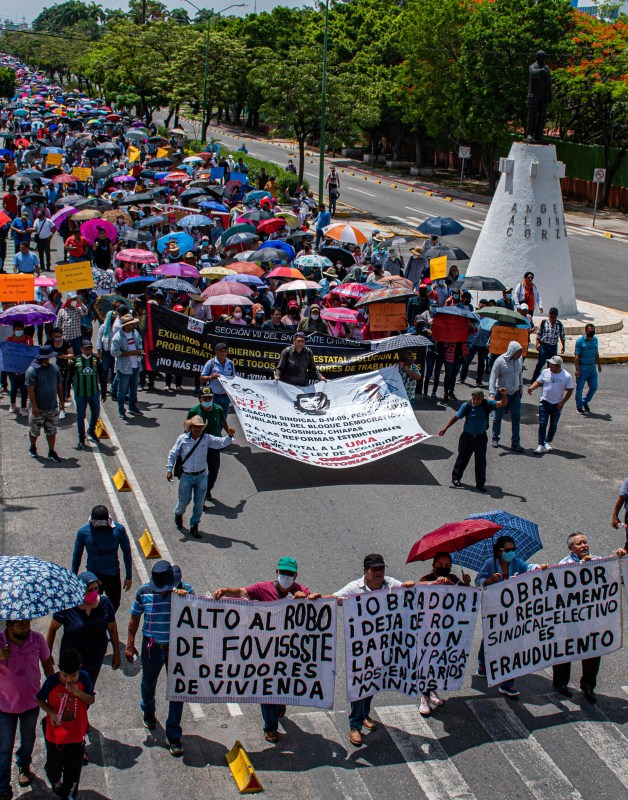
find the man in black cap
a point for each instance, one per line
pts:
(373, 579)
(45, 387)
(153, 600)
(216, 422)
(220, 366)
(296, 364)
(89, 387)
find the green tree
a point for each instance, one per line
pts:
(180, 16)
(65, 15)
(7, 82)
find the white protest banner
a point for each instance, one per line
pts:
(565, 613)
(341, 423)
(241, 651)
(409, 640)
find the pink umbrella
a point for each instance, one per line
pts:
(228, 300)
(124, 179)
(349, 315)
(352, 291)
(271, 225)
(176, 177)
(42, 280)
(137, 256)
(297, 286)
(220, 289)
(64, 179)
(177, 270)
(57, 219)
(92, 227)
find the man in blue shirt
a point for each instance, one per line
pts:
(25, 262)
(473, 439)
(21, 229)
(153, 601)
(587, 368)
(322, 220)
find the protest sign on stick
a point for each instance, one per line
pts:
(566, 613)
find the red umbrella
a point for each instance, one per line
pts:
(287, 272)
(246, 268)
(63, 178)
(220, 288)
(137, 256)
(176, 177)
(349, 315)
(452, 537)
(353, 291)
(271, 225)
(113, 117)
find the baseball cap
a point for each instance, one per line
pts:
(293, 304)
(86, 343)
(288, 564)
(555, 360)
(299, 335)
(477, 393)
(374, 560)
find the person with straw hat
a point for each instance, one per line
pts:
(188, 461)
(126, 348)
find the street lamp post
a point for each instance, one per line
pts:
(321, 162)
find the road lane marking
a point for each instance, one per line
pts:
(403, 221)
(351, 189)
(523, 752)
(235, 710)
(424, 755)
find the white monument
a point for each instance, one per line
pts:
(525, 228)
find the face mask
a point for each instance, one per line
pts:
(91, 597)
(206, 403)
(508, 556)
(285, 581)
(509, 297)
(315, 316)
(442, 572)
(237, 315)
(456, 296)
(21, 332)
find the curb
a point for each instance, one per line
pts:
(620, 358)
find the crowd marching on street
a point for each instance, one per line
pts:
(203, 236)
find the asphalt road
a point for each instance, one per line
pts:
(479, 745)
(600, 265)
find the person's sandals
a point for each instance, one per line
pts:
(271, 736)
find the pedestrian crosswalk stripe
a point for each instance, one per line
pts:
(521, 749)
(425, 756)
(403, 221)
(473, 224)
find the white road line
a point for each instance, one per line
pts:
(521, 749)
(602, 736)
(625, 689)
(469, 223)
(418, 211)
(351, 189)
(197, 710)
(424, 755)
(235, 710)
(579, 231)
(403, 221)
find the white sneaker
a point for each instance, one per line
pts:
(548, 447)
(424, 707)
(23, 412)
(435, 699)
(540, 449)
(13, 408)
(61, 414)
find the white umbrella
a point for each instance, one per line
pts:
(297, 286)
(228, 300)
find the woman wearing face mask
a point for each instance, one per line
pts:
(503, 565)
(85, 628)
(17, 379)
(292, 319)
(441, 573)
(237, 317)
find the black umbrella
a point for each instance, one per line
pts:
(70, 200)
(109, 147)
(156, 139)
(132, 199)
(338, 254)
(155, 219)
(97, 203)
(480, 283)
(188, 194)
(137, 236)
(158, 163)
(148, 173)
(95, 152)
(33, 197)
(105, 171)
(297, 238)
(257, 215)
(455, 253)
(51, 172)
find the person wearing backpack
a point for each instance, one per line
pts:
(473, 439)
(550, 331)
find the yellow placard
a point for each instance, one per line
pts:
(163, 152)
(17, 288)
(438, 268)
(71, 277)
(133, 153)
(54, 160)
(503, 335)
(82, 173)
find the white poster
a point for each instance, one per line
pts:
(341, 423)
(240, 651)
(408, 640)
(565, 613)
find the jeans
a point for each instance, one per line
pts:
(482, 353)
(8, 728)
(192, 485)
(43, 250)
(270, 713)
(514, 406)
(588, 376)
(81, 413)
(213, 466)
(76, 344)
(319, 235)
(545, 351)
(108, 366)
(451, 372)
(222, 400)
(433, 365)
(128, 383)
(548, 412)
(510, 684)
(154, 658)
(112, 587)
(467, 446)
(360, 710)
(63, 766)
(17, 384)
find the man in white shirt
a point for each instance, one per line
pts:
(557, 386)
(44, 230)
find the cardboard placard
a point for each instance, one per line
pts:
(71, 277)
(388, 317)
(133, 153)
(163, 152)
(17, 288)
(438, 268)
(54, 160)
(450, 328)
(502, 335)
(82, 173)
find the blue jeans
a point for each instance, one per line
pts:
(270, 712)
(192, 485)
(588, 376)
(510, 684)
(222, 400)
(545, 351)
(360, 710)
(8, 728)
(128, 383)
(548, 412)
(514, 406)
(154, 658)
(76, 345)
(81, 413)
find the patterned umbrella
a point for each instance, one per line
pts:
(184, 240)
(104, 304)
(27, 314)
(177, 270)
(137, 256)
(312, 261)
(220, 288)
(216, 272)
(91, 229)
(87, 213)
(352, 291)
(175, 285)
(349, 315)
(195, 221)
(298, 286)
(523, 531)
(383, 295)
(341, 232)
(395, 282)
(103, 280)
(287, 272)
(113, 214)
(31, 588)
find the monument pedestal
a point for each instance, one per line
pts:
(525, 228)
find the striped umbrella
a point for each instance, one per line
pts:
(343, 232)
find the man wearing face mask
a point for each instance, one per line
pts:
(588, 366)
(69, 320)
(214, 416)
(313, 323)
(45, 388)
(506, 300)
(22, 652)
(284, 586)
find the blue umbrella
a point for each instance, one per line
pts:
(258, 194)
(135, 285)
(175, 285)
(57, 150)
(31, 588)
(440, 226)
(6, 153)
(454, 311)
(212, 205)
(279, 244)
(155, 219)
(247, 280)
(195, 221)
(523, 531)
(184, 240)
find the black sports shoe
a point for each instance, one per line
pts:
(564, 690)
(586, 408)
(456, 482)
(194, 531)
(32, 451)
(481, 489)
(52, 456)
(175, 747)
(150, 723)
(178, 520)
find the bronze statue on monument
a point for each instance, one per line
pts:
(539, 97)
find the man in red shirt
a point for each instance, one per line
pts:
(9, 203)
(76, 247)
(284, 586)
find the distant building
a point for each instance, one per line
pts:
(593, 8)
